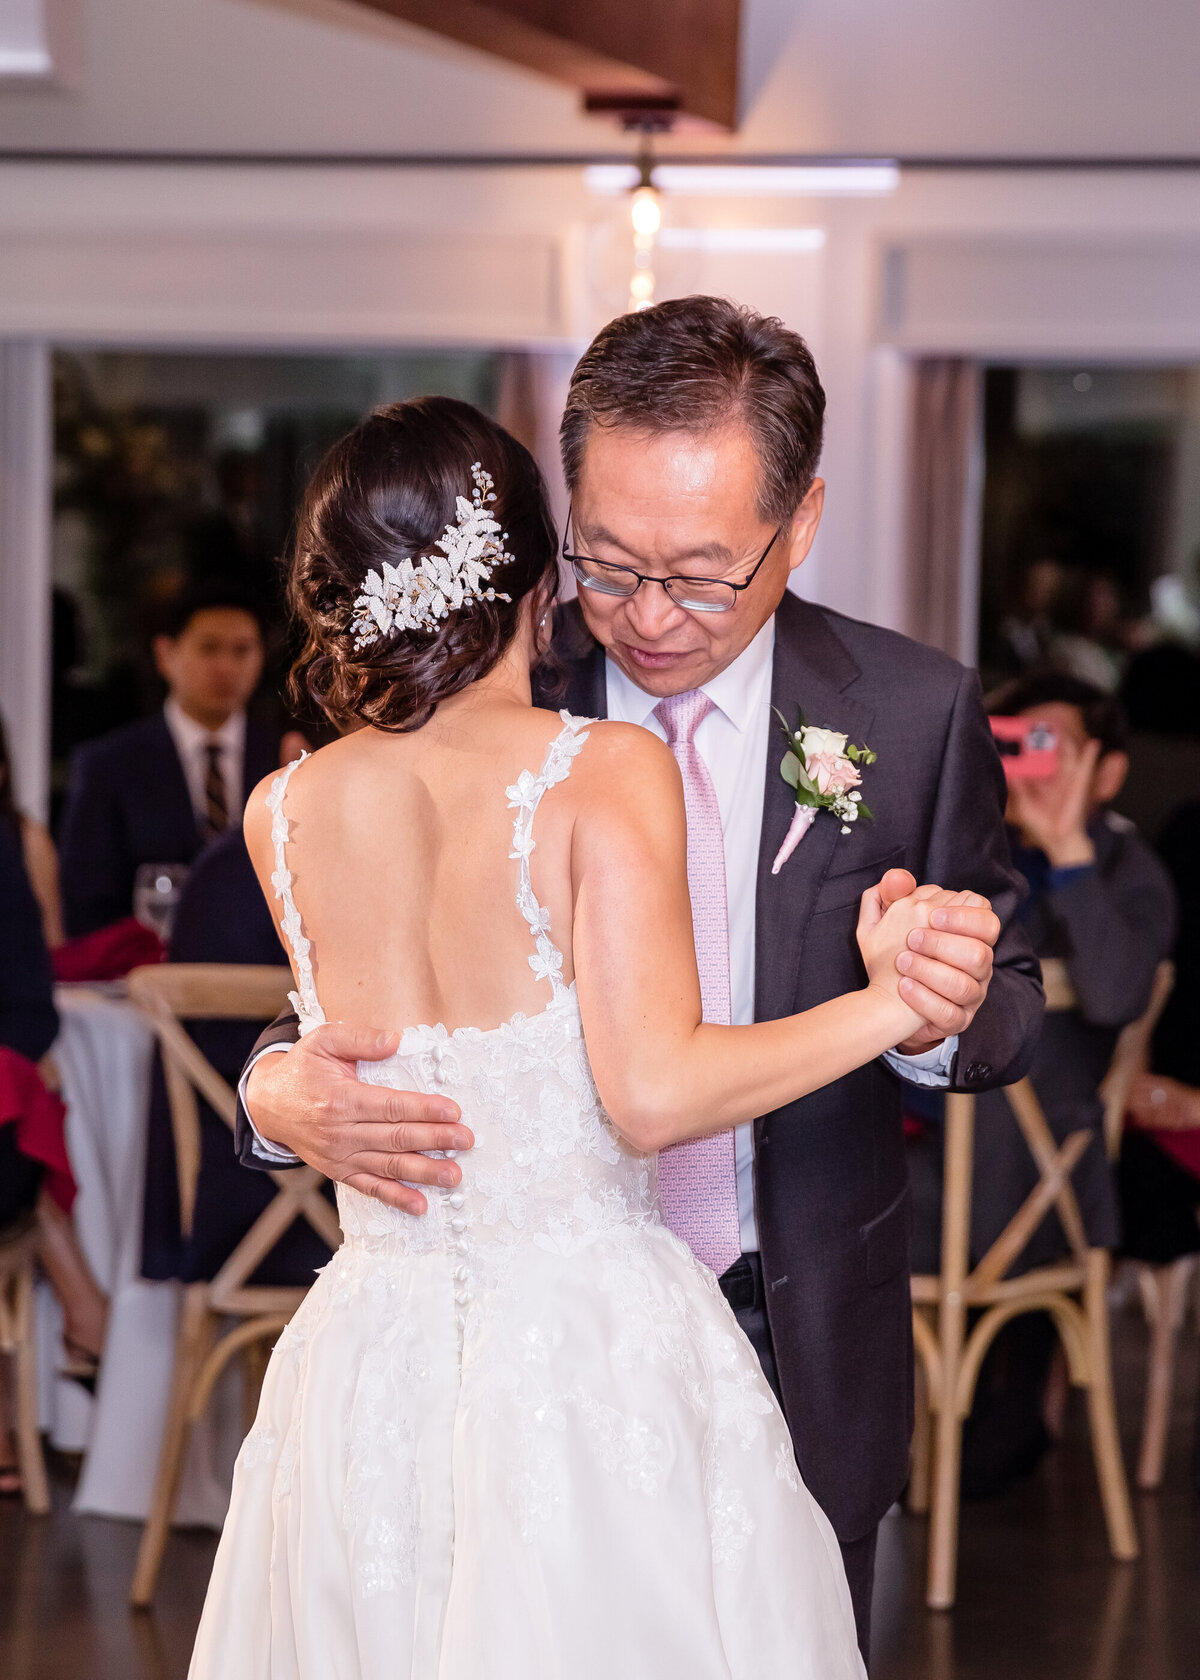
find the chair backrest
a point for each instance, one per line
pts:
(165, 992)
(1055, 1162)
(1132, 1053)
(1131, 1057)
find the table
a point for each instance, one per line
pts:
(104, 1054)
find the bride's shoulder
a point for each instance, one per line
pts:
(307, 772)
(627, 748)
(623, 762)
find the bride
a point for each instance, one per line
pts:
(521, 1437)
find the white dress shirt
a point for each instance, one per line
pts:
(733, 740)
(192, 742)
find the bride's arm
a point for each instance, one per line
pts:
(661, 1072)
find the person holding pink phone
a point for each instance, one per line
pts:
(1102, 904)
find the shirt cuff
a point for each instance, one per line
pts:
(263, 1147)
(930, 1068)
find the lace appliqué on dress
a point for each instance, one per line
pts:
(305, 1000)
(524, 796)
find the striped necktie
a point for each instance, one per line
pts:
(216, 805)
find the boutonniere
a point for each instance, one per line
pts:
(826, 773)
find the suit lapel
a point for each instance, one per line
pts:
(812, 671)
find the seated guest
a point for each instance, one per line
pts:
(35, 1175)
(159, 790)
(1101, 903)
(1159, 1174)
(37, 848)
(223, 918)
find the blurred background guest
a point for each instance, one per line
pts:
(158, 790)
(1091, 636)
(35, 1174)
(37, 849)
(1025, 634)
(1161, 696)
(1100, 902)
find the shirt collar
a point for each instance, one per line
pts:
(738, 691)
(191, 736)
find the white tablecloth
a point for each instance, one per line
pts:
(103, 1054)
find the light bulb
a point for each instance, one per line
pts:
(641, 285)
(645, 211)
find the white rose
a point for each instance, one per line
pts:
(825, 743)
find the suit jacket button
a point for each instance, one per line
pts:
(977, 1072)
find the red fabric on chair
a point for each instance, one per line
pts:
(1182, 1147)
(38, 1115)
(109, 953)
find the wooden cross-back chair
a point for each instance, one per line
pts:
(1164, 1289)
(18, 1342)
(1073, 1292)
(168, 994)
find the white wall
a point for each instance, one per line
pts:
(1084, 77)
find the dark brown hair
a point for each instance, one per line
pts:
(692, 365)
(387, 491)
(1103, 716)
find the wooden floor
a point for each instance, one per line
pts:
(1038, 1597)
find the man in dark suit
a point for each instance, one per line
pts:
(690, 442)
(160, 789)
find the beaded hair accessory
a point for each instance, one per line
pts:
(416, 595)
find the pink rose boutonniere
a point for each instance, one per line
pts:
(826, 773)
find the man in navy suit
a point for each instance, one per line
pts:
(160, 789)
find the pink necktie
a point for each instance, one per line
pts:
(697, 1181)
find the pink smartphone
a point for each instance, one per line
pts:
(1028, 748)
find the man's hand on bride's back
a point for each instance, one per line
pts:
(376, 1140)
(944, 964)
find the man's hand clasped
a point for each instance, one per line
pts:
(382, 1142)
(386, 1143)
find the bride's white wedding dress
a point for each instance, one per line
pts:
(520, 1437)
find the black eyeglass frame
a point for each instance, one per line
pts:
(577, 560)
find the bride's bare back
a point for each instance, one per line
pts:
(400, 852)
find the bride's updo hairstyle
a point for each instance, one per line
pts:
(386, 492)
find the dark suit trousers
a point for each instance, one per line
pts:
(742, 1286)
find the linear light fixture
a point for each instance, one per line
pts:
(742, 239)
(25, 61)
(752, 180)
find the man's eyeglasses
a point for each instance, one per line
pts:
(696, 594)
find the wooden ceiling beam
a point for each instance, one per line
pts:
(677, 59)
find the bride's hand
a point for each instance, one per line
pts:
(888, 915)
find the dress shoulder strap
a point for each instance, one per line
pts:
(305, 1000)
(524, 796)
